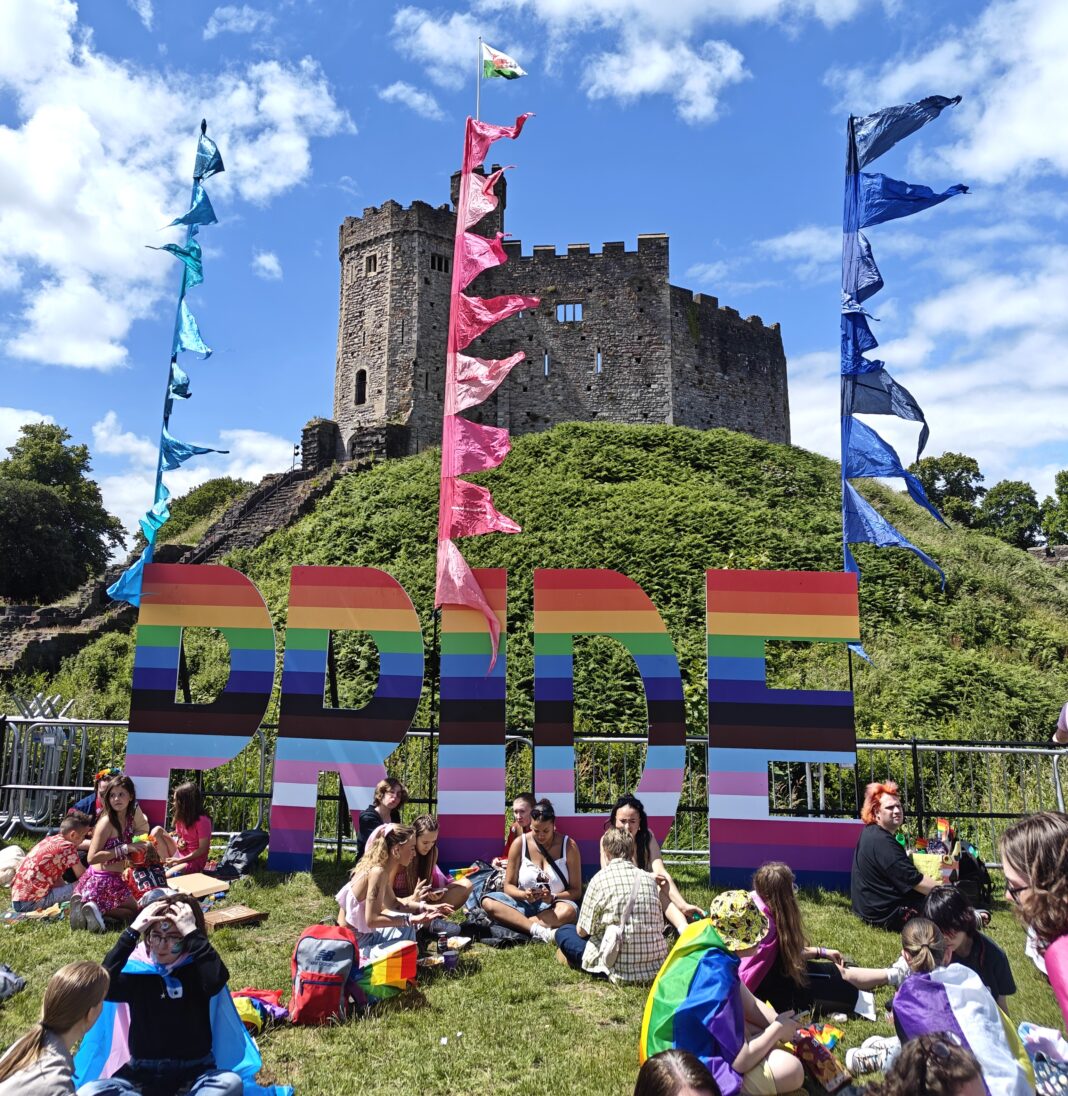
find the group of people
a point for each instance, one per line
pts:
(758, 970)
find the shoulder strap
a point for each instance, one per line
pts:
(629, 908)
(552, 863)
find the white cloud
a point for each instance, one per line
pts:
(445, 46)
(265, 265)
(99, 161)
(1009, 65)
(814, 251)
(252, 455)
(421, 102)
(144, 11)
(707, 273)
(231, 19)
(11, 419)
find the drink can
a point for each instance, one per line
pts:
(443, 943)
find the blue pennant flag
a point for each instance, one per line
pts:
(857, 340)
(860, 276)
(863, 525)
(208, 161)
(879, 132)
(179, 386)
(877, 393)
(869, 455)
(155, 518)
(884, 199)
(191, 256)
(187, 337)
(199, 213)
(127, 587)
(176, 453)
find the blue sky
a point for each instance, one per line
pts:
(719, 122)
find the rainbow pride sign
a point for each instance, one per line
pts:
(749, 725)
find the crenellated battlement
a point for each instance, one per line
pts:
(706, 303)
(649, 243)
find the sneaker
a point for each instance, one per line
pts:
(91, 915)
(861, 1060)
(76, 913)
(541, 932)
(879, 1042)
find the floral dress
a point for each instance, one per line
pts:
(108, 889)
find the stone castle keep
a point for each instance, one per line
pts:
(612, 341)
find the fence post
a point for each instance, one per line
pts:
(917, 783)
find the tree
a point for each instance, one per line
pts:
(43, 458)
(1010, 511)
(952, 484)
(37, 553)
(1055, 511)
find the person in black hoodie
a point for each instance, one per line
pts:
(170, 1037)
(390, 796)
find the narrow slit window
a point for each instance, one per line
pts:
(545, 362)
(569, 312)
(370, 264)
(599, 362)
(361, 387)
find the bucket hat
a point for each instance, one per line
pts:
(737, 919)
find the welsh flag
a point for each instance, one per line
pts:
(495, 63)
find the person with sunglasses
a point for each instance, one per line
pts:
(932, 1065)
(542, 881)
(1034, 858)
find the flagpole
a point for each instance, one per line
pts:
(478, 82)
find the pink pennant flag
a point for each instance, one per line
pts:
(475, 448)
(480, 135)
(457, 585)
(474, 315)
(473, 512)
(478, 253)
(480, 197)
(477, 378)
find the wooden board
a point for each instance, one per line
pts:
(232, 915)
(198, 885)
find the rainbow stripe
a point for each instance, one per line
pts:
(471, 763)
(594, 602)
(750, 725)
(166, 735)
(355, 742)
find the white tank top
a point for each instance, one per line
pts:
(529, 872)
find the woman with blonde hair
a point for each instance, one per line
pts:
(784, 969)
(369, 904)
(41, 1062)
(1034, 857)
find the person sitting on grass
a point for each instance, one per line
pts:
(675, 1073)
(542, 881)
(698, 1003)
(390, 795)
(1034, 857)
(40, 1063)
(93, 803)
(192, 831)
(784, 970)
(369, 904)
(947, 908)
(619, 894)
(629, 814)
(423, 878)
(38, 881)
(931, 1065)
(102, 891)
(886, 887)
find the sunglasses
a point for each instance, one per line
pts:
(939, 1051)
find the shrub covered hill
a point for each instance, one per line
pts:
(982, 659)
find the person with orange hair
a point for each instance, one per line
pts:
(886, 887)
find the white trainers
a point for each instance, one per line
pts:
(541, 932)
(871, 1058)
(94, 920)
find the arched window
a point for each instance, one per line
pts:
(361, 387)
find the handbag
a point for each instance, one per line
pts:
(612, 940)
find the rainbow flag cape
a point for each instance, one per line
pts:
(694, 1005)
(391, 973)
(953, 999)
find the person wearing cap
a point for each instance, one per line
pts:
(698, 1003)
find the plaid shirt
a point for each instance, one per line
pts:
(643, 948)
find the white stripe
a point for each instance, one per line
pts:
(454, 802)
(738, 806)
(152, 787)
(294, 795)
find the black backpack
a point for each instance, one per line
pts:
(974, 882)
(242, 852)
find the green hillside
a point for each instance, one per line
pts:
(983, 659)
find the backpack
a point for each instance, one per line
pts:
(973, 880)
(323, 960)
(241, 853)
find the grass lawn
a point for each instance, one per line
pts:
(514, 1021)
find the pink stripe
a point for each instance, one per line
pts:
(661, 780)
(554, 780)
(149, 765)
(471, 780)
(789, 831)
(155, 810)
(739, 783)
(307, 772)
(292, 818)
(801, 857)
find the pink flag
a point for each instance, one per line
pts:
(480, 197)
(480, 135)
(478, 253)
(474, 315)
(475, 448)
(477, 378)
(457, 585)
(473, 512)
